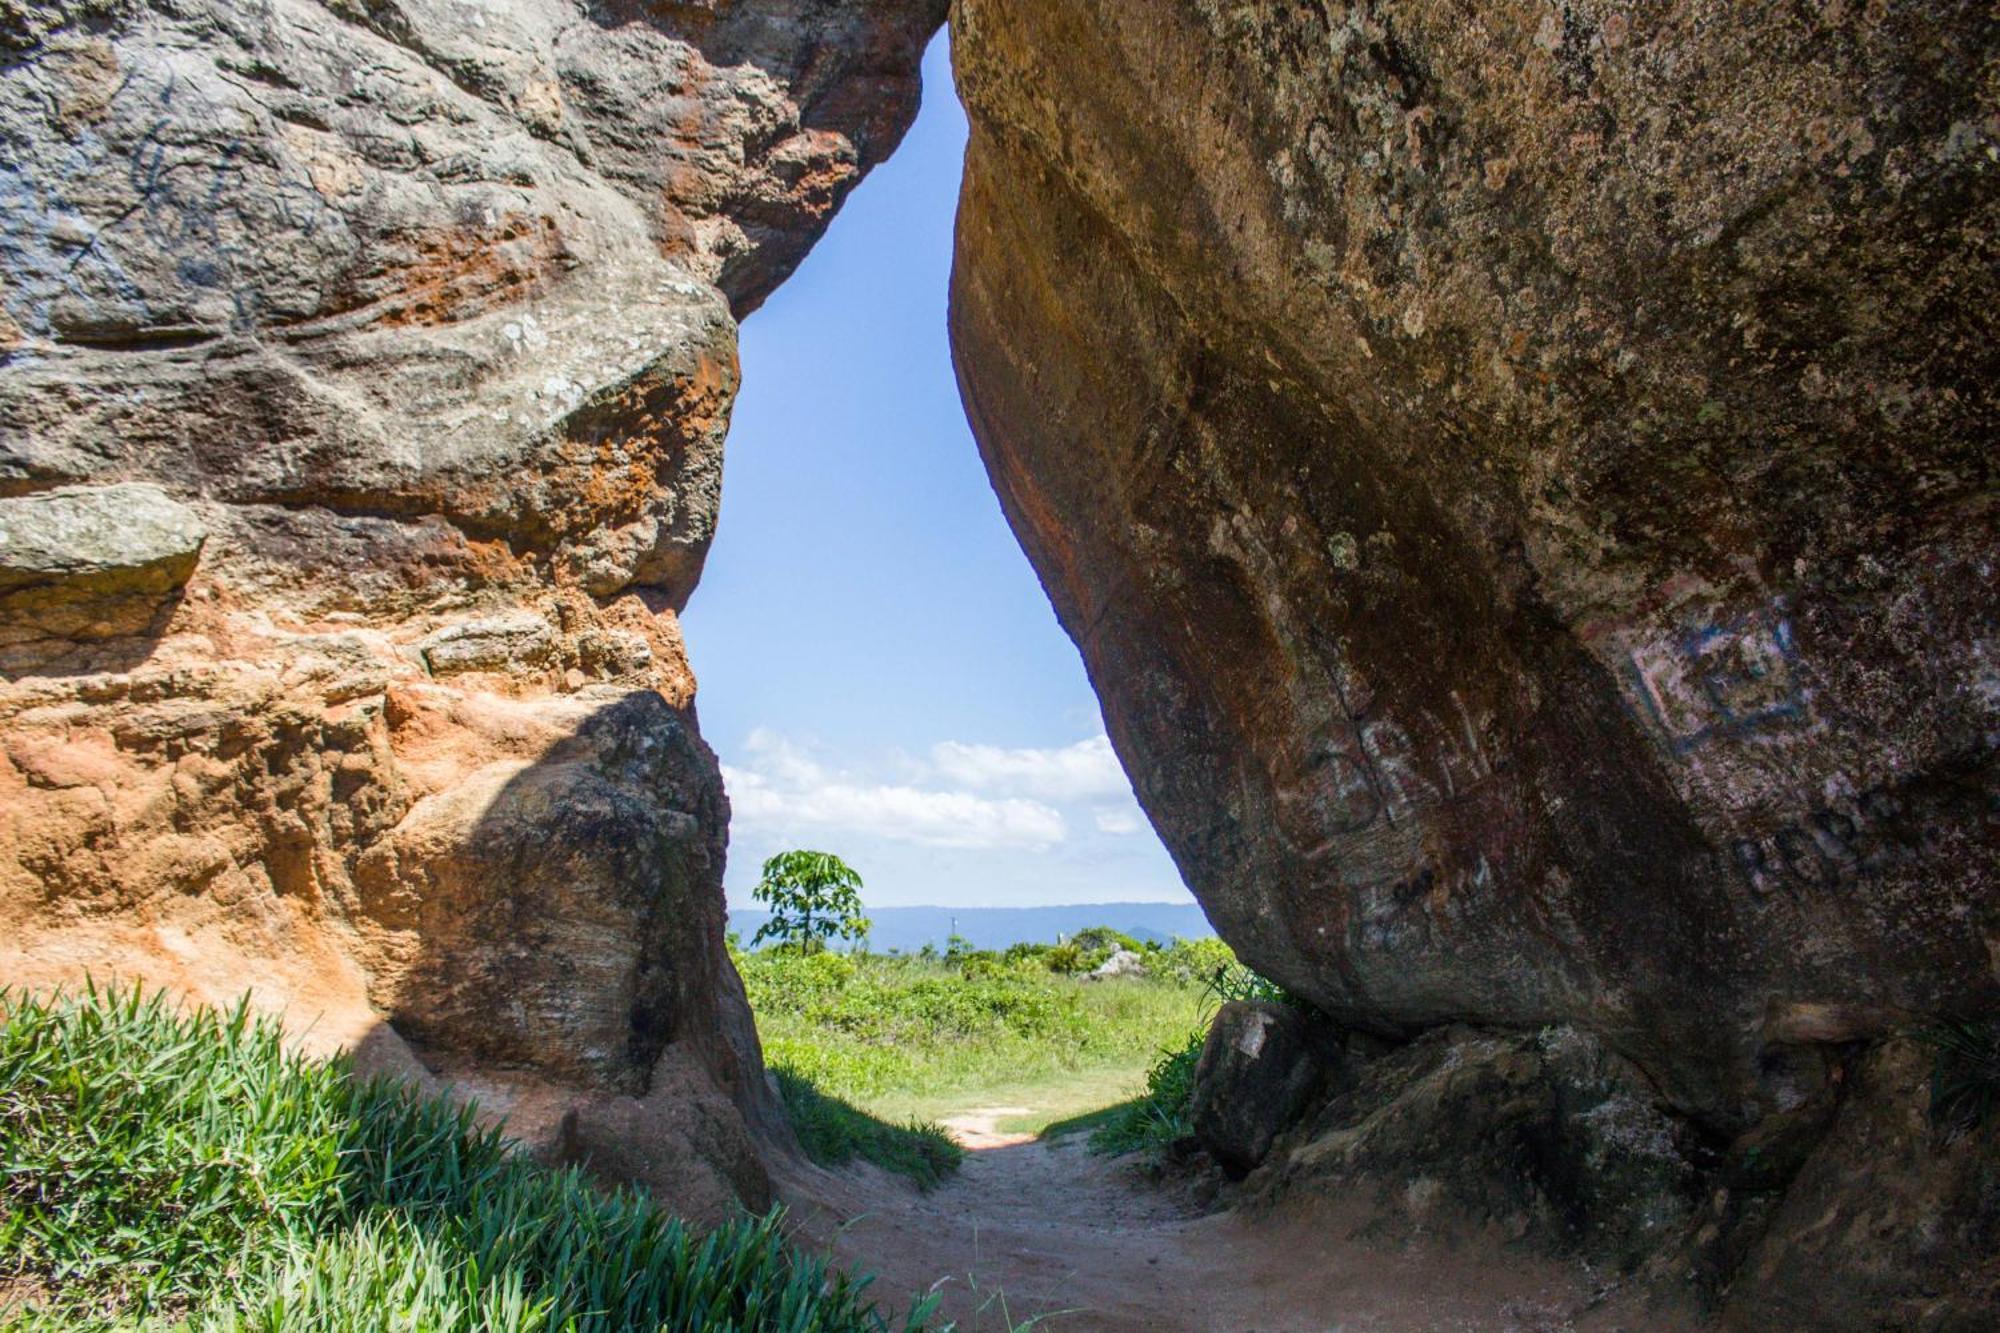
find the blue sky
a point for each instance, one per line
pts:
(880, 671)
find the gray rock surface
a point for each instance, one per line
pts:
(1521, 479)
(514, 641)
(1259, 1065)
(1121, 963)
(1547, 1136)
(97, 539)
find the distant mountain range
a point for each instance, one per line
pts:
(910, 928)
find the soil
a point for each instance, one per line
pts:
(1049, 1232)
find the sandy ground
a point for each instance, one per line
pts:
(1049, 1232)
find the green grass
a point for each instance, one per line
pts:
(834, 1132)
(174, 1169)
(912, 1040)
(1159, 1115)
(1163, 1112)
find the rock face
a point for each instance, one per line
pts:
(1522, 484)
(1547, 1135)
(1521, 479)
(364, 370)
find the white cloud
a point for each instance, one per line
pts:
(1118, 823)
(1085, 770)
(783, 761)
(786, 787)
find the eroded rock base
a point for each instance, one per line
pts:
(1871, 1201)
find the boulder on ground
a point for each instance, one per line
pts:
(1549, 1136)
(1121, 963)
(1258, 1068)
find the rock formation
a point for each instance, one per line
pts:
(364, 370)
(1521, 479)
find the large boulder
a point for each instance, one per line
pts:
(1521, 481)
(364, 372)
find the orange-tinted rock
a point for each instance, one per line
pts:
(417, 324)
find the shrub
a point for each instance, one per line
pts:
(1067, 959)
(1965, 1075)
(183, 1164)
(1103, 940)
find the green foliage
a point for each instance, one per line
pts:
(1965, 1075)
(1104, 940)
(834, 1131)
(183, 1165)
(896, 1035)
(1162, 1114)
(1067, 959)
(813, 897)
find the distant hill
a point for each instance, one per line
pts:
(910, 928)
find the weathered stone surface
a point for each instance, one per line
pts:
(1894, 1221)
(1549, 1136)
(1121, 963)
(1258, 1066)
(517, 641)
(1521, 481)
(426, 313)
(98, 539)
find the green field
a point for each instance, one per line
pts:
(918, 1040)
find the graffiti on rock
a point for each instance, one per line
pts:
(1719, 680)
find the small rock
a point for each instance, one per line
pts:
(1257, 1069)
(99, 540)
(508, 642)
(1121, 963)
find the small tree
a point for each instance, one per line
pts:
(813, 897)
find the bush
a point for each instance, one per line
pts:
(1965, 1076)
(1067, 959)
(1103, 940)
(184, 1164)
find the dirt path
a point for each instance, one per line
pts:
(1047, 1229)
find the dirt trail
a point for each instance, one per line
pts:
(1031, 1228)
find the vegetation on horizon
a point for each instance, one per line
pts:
(872, 1050)
(182, 1169)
